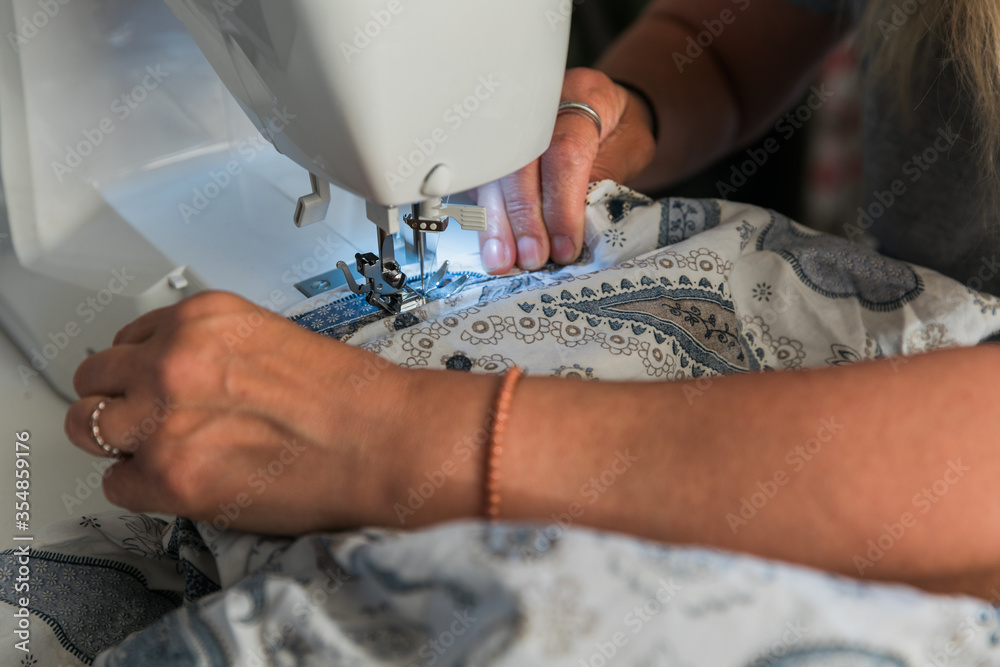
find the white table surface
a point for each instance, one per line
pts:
(59, 471)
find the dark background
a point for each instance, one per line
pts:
(779, 184)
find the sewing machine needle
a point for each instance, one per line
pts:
(421, 243)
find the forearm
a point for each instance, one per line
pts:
(711, 99)
(824, 459)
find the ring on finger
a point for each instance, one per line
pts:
(581, 109)
(95, 431)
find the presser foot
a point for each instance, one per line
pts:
(385, 284)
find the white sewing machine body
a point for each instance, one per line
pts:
(132, 178)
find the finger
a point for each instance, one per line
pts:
(140, 329)
(124, 486)
(78, 425)
(566, 168)
(106, 373)
(567, 164)
(627, 151)
(496, 244)
(522, 193)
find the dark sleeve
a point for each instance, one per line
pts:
(827, 6)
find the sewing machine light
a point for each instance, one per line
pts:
(402, 103)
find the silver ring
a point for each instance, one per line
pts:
(95, 431)
(582, 109)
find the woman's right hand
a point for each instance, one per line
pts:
(537, 213)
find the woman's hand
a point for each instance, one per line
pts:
(231, 414)
(538, 212)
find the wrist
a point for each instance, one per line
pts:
(641, 102)
(434, 448)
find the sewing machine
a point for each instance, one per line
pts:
(139, 165)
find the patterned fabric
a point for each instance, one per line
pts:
(665, 290)
(104, 579)
(531, 594)
(677, 289)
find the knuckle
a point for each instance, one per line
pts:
(206, 303)
(174, 370)
(175, 426)
(177, 482)
(586, 79)
(573, 150)
(189, 360)
(524, 214)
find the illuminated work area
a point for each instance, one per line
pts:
(525, 332)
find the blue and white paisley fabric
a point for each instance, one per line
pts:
(468, 593)
(664, 291)
(677, 289)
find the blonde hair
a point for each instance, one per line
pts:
(903, 36)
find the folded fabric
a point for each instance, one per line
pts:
(469, 593)
(664, 291)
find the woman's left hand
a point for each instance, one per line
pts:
(228, 413)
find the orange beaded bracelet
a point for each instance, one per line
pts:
(500, 415)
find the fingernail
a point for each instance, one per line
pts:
(563, 249)
(529, 253)
(494, 256)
